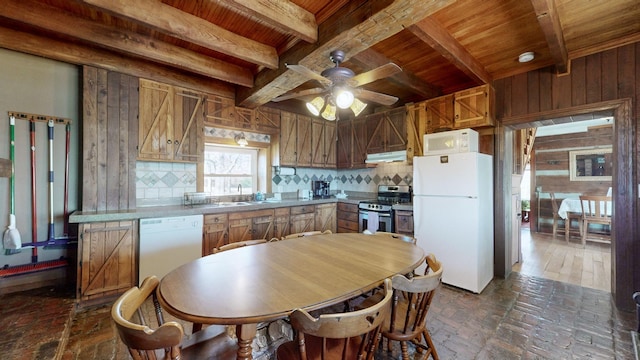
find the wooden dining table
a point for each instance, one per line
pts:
(266, 282)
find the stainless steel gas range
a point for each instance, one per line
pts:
(380, 211)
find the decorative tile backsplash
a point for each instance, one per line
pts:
(162, 183)
(360, 180)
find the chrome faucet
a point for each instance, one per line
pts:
(240, 189)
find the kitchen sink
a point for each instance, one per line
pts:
(233, 203)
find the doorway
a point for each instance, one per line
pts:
(541, 254)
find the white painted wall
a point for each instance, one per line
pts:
(36, 85)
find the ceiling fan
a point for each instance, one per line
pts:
(340, 87)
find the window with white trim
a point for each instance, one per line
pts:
(230, 170)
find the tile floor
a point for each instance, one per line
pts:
(521, 317)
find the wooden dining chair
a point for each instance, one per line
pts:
(567, 221)
(402, 237)
(346, 336)
(412, 298)
(306, 233)
(167, 340)
(595, 210)
(238, 244)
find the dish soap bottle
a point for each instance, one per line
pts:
(259, 196)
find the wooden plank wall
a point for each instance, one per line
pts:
(110, 138)
(551, 171)
(610, 81)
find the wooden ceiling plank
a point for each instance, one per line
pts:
(549, 21)
(283, 15)
(51, 18)
(372, 59)
(393, 18)
(185, 26)
(74, 53)
(437, 37)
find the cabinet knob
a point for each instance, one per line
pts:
(169, 142)
(176, 142)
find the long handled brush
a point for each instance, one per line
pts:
(11, 239)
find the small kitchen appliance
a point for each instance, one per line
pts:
(320, 189)
(451, 142)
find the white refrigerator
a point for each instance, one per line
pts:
(453, 215)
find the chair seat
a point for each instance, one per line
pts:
(210, 343)
(313, 344)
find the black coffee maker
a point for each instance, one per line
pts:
(320, 189)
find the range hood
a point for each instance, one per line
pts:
(386, 157)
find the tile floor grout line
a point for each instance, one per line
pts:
(62, 346)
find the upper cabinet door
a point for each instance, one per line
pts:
(171, 123)
(155, 131)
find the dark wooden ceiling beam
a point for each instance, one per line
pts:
(185, 26)
(284, 15)
(40, 15)
(549, 21)
(351, 35)
(74, 53)
(371, 59)
(437, 37)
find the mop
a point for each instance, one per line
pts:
(11, 239)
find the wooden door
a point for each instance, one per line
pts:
(155, 137)
(395, 129)
(375, 134)
(288, 130)
(302, 223)
(262, 224)
(303, 141)
(325, 218)
(214, 232)
(220, 111)
(107, 263)
(188, 124)
(240, 227)
(318, 158)
(281, 222)
(344, 143)
(267, 120)
(439, 113)
(330, 144)
(404, 222)
(360, 142)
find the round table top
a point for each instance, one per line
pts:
(268, 281)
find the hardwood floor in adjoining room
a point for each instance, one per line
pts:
(554, 259)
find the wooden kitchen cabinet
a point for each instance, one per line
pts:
(344, 144)
(295, 140)
(325, 218)
(347, 217)
(222, 112)
(302, 219)
(404, 222)
(439, 114)
(106, 260)
(387, 131)
(281, 222)
(473, 107)
(214, 232)
(170, 123)
(251, 225)
(351, 148)
(323, 145)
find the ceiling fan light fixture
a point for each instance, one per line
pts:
(344, 98)
(329, 112)
(357, 106)
(315, 106)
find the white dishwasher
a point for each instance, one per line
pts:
(167, 243)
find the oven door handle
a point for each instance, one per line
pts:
(380, 214)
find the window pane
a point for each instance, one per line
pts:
(229, 170)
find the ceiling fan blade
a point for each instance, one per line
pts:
(376, 74)
(310, 74)
(376, 97)
(298, 94)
